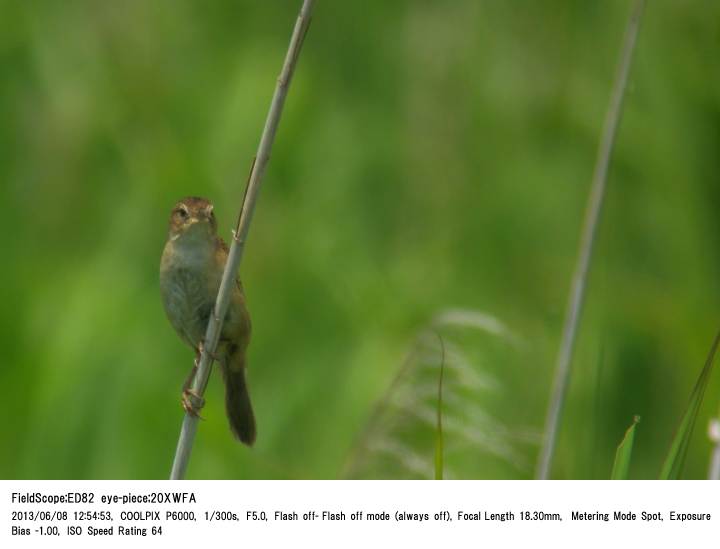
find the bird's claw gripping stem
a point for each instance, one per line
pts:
(192, 402)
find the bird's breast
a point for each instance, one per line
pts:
(189, 283)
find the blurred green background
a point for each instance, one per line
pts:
(432, 156)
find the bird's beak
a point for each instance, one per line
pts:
(200, 223)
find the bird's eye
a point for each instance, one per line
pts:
(183, 213)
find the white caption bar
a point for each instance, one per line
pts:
(315, 514)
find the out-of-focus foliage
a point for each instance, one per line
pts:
(481, 365)
(432, 155)
(674, 463)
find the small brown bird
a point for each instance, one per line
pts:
(191, 269)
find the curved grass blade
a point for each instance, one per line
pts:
(621, 467)
(675, 459)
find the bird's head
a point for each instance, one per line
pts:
(193, 218)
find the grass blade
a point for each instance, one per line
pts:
(675, 459)
(587, 242)
(621, 467)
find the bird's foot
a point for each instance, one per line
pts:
(192, 402)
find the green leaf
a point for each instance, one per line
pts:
(675, 459)
(624, 453)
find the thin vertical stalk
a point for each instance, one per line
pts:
(189, 426)
(587, 241)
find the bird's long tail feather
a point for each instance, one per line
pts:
(237, 403)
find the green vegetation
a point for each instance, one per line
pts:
(673, 465)
(621, 467)
(430, 172)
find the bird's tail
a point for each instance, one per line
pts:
(237, 400)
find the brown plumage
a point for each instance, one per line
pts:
(191, 269)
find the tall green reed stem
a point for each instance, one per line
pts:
(189, 426)
(587, 241)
